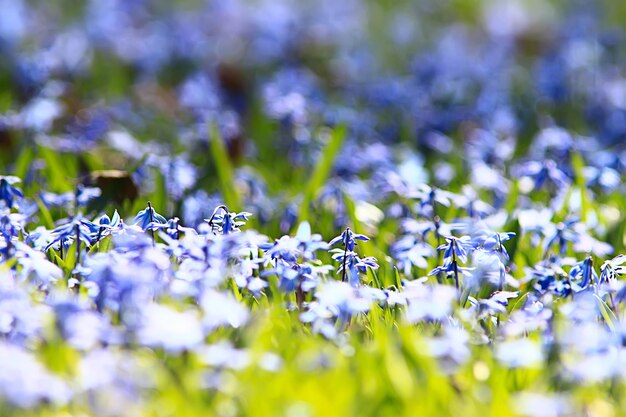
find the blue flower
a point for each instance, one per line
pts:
(428, 302)
(550, 277)
(9, 194)
(336, 303)
(352, 266)
(411, 252)
(560, 234)
(455, 249)
(77, 228)
(493, 243)
(10, 226)
(347, 239)
(612, 269)
(80, 197)
(309, 242)
(496, 303)
(288, 248)
(148, 218)
(173, 229)
(584, 272)
(225, 222)
(36, 267)
(542, 172)
(429, 197)
(85, 194)
(106, 225)
(290, 276)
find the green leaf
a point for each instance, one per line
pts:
(24, 160)
(607, 313)
(578, 165)
(45, 214)
(224, 168)
(158, 198)
(322, 169)
(398, 278)
(60, 171)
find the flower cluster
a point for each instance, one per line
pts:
(174, 174)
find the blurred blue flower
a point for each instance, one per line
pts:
(520, 353)
(80, 197)
(163, 327)
(428, 302)
(549, 277)
(10, 226)
(221, 309)
(452, 347)
(544, 172)
(77, 228)
(560, 234)
(9, 194)
(411, 252)
(429, 197)
(26, 383)
(35, 267)
(304, 245)
(493, 243)
(495, 304)
(336, 303)
(583, 273)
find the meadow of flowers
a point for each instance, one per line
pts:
(330, 208)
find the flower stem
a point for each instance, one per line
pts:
(221, 206)
(437, 223)
(151, 221)
(455, 266)
(345, 254)
(77, 232)
(456, 274)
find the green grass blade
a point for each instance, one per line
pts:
(322, 169)
(578, 165)
(224, 169)
(24, 161)
(607, 313)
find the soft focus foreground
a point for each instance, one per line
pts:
(275, 208)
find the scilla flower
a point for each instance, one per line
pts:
(455, 249)
(225, 222)
(146, 217)
(351, 266)
(9, 194)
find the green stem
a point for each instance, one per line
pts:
(151, 221)
(345, 254)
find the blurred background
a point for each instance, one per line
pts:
(124, 88)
